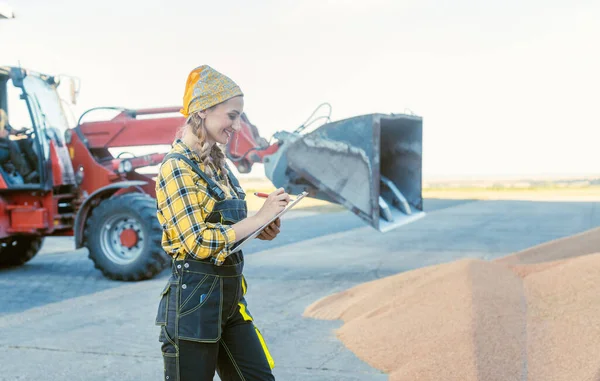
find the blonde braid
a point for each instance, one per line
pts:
(218, 158)
(202, 148)
(211, 157)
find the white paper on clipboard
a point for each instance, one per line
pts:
(249, 238)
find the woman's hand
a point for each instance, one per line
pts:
(275, 203)
(270, 232)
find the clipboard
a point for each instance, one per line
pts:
(238, 246)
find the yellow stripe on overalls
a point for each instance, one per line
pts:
(244, 313)
(247, 317)
(267, 353)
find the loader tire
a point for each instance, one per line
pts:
(123, 237)
(16, 251)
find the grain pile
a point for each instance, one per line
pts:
(534, 315)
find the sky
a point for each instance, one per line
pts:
(504, 88)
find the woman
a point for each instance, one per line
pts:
(204, 319)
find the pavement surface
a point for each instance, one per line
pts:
(71, 274)
(61, 320)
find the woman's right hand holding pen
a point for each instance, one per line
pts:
(275, 202)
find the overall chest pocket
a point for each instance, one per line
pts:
(200, 305)
(231, 216)
(228, 212)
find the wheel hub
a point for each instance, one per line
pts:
(129, 238)
(122, 239)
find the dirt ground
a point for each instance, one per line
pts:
(552, 194)
(585, 194)
(532, 315)
(258, 185)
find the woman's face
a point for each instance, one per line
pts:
(222, 121)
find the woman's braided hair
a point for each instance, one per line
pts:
(212, 157)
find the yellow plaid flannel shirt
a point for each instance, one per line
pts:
(183, 204)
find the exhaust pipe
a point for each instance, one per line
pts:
(370, 164)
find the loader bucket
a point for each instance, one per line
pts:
(370, 164)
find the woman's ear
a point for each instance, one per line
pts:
(202, 114)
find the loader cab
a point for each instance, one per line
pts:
(32, 137)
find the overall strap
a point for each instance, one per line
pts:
(212, 187)
(235, 183)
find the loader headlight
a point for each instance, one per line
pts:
(79, 175)
(125, 166)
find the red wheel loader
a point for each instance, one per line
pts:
(61, 181)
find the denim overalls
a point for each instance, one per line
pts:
(204, 320)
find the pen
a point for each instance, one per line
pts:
(263, 195)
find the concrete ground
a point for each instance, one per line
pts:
(61, 320)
